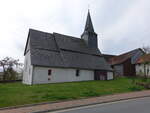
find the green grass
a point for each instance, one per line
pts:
(12, 94)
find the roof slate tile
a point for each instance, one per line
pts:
(57, 50)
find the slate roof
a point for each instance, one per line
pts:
(123, 57)
(57, 50)
(89, 26)
(74, 44)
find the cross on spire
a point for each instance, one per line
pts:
(88, 7)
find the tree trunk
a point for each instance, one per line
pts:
(4, 73)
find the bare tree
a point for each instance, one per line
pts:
(8, 64)
(146, 49)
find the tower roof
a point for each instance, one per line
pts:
(89, 25)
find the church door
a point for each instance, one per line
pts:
(100, 75)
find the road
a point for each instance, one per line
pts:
(140, 105)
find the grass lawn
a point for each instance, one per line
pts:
(12, 94)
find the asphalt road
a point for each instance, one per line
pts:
(141, 105)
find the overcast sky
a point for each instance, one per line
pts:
(121, 25)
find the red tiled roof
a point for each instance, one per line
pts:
(123, 57)
(143, 59)
(108, 56)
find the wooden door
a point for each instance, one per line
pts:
(100, 75)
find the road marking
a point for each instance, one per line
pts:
(89, 106)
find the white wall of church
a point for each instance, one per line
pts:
(40, 75)
(28, 68)
(110, 76)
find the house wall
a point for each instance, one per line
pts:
(118, 69)
(28, 68)
(128, 68)
(40, 75)
(140, 69)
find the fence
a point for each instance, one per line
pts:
(9, 81)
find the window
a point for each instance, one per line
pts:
(49, 78)
(112, 66)
(147, 71)
(77, 72)
(140, 71)
(49, 72)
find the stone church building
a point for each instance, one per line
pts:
(54, 57)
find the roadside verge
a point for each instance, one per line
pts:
(43, 107)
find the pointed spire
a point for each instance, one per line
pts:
(89, 36)
(89, 25)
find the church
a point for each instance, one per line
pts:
(54, 57)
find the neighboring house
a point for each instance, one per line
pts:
(143, 66)
(51, 58)
(108, 57)
(124, 64)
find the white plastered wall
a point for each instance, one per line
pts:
(140, 69)
(28, 69)
(110, 75)
(40, 75)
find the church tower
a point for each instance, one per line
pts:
(89, 35)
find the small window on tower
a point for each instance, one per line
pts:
(49, 72)
(77, 72)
